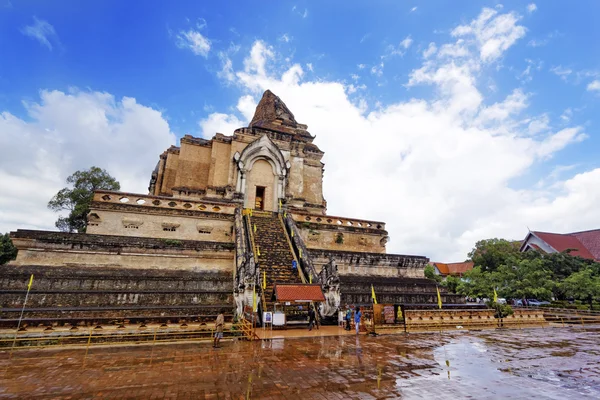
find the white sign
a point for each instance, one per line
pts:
(287, 303)
(278, 319)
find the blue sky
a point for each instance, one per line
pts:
(198, 67)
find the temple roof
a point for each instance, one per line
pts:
(270, 111)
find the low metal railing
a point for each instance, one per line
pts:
(99, 336)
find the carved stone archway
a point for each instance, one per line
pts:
(262, 149)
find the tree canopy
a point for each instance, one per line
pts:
(489, 254)
(7, 250)
(499, 265)
(77, 199)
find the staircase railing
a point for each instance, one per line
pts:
(305, 260)
(299, 249)
(250, 235)
(303, 277)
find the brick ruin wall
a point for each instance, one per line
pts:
(95, 295)
(352, 263)
(87, 250)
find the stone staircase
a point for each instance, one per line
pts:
(276, 255)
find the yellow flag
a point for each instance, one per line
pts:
(280, 204)
(300, 250)
(30, 282)
(257, 251)
(310, 278)
(439, 297)
(254, 305)
(373, 295)
(254, 228)
(495, 296)
(264, 279)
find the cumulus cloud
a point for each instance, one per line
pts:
(439, 169)
(531, 8)
(194, 41)
(594, 86)
(65, 132)
(431, 50)
(492, 32)
(41, 31)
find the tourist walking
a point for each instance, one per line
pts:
(219, 329)
(294, 266)
(357, 317)
(311, 318)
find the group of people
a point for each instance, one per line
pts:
(357, 318)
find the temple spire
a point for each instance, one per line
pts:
(271, 109)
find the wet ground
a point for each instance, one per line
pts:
(552, 363)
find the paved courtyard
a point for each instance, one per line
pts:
(552, 363)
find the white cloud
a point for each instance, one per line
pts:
(194, 41)
(531, 8)
(400, 49)
(285, 38)
(406, 42)
(431, 50)
(303, 14)
(65, 132)
(562, 72)
(443, 163)
(362, 66)
(492, 32)
(377, 70)
(309, 66)
(594, 86)
(219, 123)
(526, 75)
(413, 9)
(41, 31)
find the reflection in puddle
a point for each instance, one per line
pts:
(558, 363)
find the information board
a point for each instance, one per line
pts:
(388, 314)
(278, 319)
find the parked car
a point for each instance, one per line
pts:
(501, 300)
(536, 303)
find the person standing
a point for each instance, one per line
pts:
(311, 318)
(294, 266)
(219, 329)
(357, 317)
(348, 318)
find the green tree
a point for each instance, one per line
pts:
(451, 283)
(476, 283)
(7, 250)
(430, 273)
(77, 199)
(562, 266)
(489, 254)
(583, 285)
(523, 278)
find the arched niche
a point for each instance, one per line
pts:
(254, 173)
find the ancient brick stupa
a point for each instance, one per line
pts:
(191, 245)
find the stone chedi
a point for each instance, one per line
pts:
(187, 248)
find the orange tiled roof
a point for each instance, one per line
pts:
(442, 267)
(286, 292)
(457, 268)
